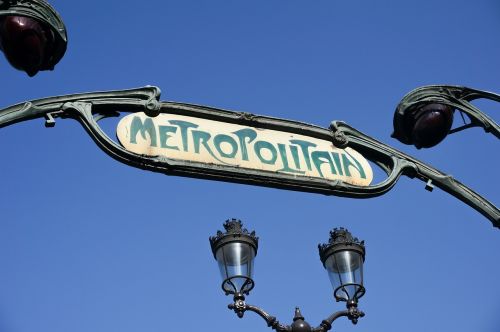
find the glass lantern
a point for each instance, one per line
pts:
(343, 257)
(235, 251)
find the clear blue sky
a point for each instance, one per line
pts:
(90, 245)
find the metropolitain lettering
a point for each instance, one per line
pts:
(244, 147)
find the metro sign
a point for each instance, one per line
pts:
(192, 139)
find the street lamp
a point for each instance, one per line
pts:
(342, 257)
(32, 35)
(425, 115)
(235, 252)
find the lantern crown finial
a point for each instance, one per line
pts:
(340, 239)
(234, 231)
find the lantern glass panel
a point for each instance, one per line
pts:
(345, 270)
(236, 261)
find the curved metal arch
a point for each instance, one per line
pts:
(89, 108)
(457, 97)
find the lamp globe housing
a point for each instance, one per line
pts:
(32, 35)
(424, 124)
(343, 257)
(235, 251)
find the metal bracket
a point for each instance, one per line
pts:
(50, 121)
(429, 186)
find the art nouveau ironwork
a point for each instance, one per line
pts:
(89, 108)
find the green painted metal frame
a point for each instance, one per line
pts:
(41, 11)
(457, 97)
(89, 108)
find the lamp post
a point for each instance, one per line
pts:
(342, 257)
(32, 35)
